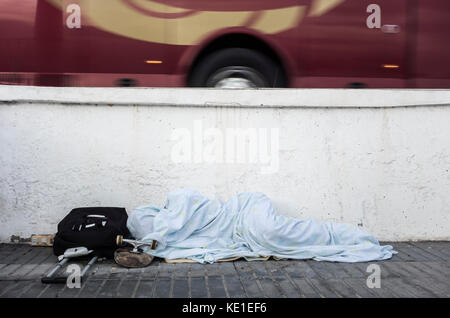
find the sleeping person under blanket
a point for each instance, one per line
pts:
(191, 226)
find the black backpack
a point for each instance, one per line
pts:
(94, 227)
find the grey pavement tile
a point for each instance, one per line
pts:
(394, 287)
(109, 288)
(393, 269)
(306, 269)
(287, 287)
(216, 287)
(329, 270)
(427, 269)
(412, 251)
(51, 259)
(182, 269)
(259, 269)
(45, 255)
(384, 291)
(70, 292)
(20, 252)
(149, 272)
(305, 288)
(16, 289)
(212, 269)
(134, 273)
(90, 288)
(360, 287)
(255, 279)
(100, 271)
(163, 287)
(274, 269)
(37, 255)
(421, 270)
(433, 286)
(8, 270)
(250, 285)
(118, 272)
(388, 269)
(198, 287)
(39, 271)
(283, 280)
(5, 254)
(324, 289)
(242, 266)
(22, 271)
(322, 269)
(352, 270)
(30, 270)
(441, 269)
(146, 289)
(227, 268)
(127, 288)
(341, 288)
(270, 288)
(5, 285)
(299, 269)
(416, 289)
(424, 269)
(412, 271)
(408, 252)
(197, 270)
(35, 290)
(52, 291)
(234, 286)
(440, 250)
(28, 256)
(180, 288)
(401, 256)
(425, 254)
(7, 249)
(166, 270)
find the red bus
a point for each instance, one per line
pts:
(226, 43)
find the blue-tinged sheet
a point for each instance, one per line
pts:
(195, 227)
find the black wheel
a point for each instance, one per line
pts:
(237, 68)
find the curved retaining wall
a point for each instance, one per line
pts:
(376, 158)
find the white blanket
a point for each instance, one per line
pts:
(195, 227)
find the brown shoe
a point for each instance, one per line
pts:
(126, 258)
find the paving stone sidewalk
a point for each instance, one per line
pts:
(421, 269)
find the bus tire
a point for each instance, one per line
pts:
(237, 67)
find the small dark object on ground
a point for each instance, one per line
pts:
(127, 258)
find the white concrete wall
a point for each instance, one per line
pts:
(382, 166)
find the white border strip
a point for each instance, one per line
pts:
(199, 97)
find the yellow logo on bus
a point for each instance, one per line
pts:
(188, 27)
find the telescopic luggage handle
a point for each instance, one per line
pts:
(63, 279)
(63, 259)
